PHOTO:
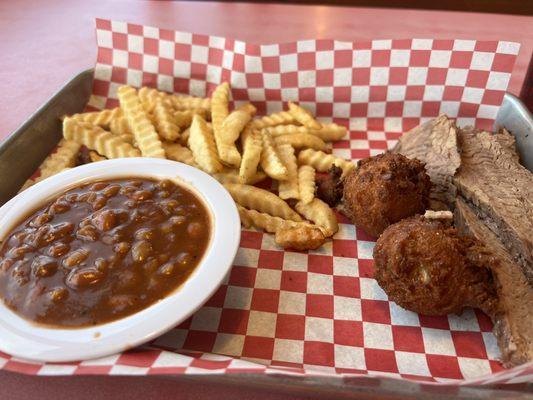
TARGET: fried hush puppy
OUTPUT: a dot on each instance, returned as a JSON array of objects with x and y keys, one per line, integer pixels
[
  {"x": 385, "y": 189},
  {"x": 425, "y": 266}
]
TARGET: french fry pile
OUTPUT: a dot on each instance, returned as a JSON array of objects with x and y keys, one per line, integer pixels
[{"x": 238, "y": 150}]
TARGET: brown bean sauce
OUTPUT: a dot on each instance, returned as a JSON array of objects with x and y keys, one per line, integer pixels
[{"x": 102, "y": 251}]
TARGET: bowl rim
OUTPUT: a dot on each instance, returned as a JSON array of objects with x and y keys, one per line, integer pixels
[{"x": 29, "y": 340}]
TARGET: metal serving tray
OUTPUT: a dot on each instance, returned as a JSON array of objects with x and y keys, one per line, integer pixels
[{"x": 25, "y": 149}]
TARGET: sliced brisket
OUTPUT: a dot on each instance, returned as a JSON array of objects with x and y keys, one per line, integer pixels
[
  {"x": 507, "y": 143},
  {"x": 513, "y": 326},
  {"x": 499, "y": 190}
]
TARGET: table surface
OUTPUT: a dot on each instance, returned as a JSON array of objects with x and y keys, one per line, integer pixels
[{"x": 44, "y": 43}]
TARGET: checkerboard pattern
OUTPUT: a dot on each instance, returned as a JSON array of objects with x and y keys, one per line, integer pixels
[{"x": 317, "y": 313}]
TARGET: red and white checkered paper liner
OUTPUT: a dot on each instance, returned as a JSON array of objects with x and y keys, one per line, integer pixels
[{"x": 319, "y": 312}]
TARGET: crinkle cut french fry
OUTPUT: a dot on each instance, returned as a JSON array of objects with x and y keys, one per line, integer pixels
[
  {"x": 119, "y": 126},
  {"x": 144, "y": 132},
  {"x": 164, "y": 121},
  {"x": 232, "y": 176},
  {"x": 64, "y": 157},
  {"x": 330, "y": 132},
  {"x": 101, "y": 118},
  {"x": 96, "y": 138},
  {"x": 301, "y": 140},
  {"x": 265, "y": 221},
  {"x": 219, "y": 107},
  {"x": 279, "y": 118},
  {"x": 252, "y": 146},
  {"x": 183, "y": 118},
  {"x": 177, "y": 152},
  {"x": 303, "y": 116},
  {"x": 227, "y": 150},
  {"x": 262, "y": 201},
  {"x": 248, "y": 108},
  {"x": 300, "y": 238},
  {"x": 228, "y": 153},
  {"x": 306, "y": 183},
  {"x": 128, "y": 138},
  {"x": 149, "y": 96},
  {"x": 279, "y": 130},
  {"x": 321, "y": 214},
  {"x": 246, "y": 220},
  {"x": 322, "y": 161},
  {"x": 288, "y": 189},
  {"x": 235, "y": 122},
  {"x": 203, "y": 146},
  {"x": 183, "y": 102},
  {"x": 270, "y": 161}
]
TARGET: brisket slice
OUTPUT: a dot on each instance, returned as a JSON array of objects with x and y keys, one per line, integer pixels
[
  {"x": 513, "y": 326},
  {"x": 500, "y": 190},
  {"x": 435, "y": 144},
  {"x": 507, "y": 143}
]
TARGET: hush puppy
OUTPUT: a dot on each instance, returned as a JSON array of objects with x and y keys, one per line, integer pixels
[
  {"x": 425, "y": 266},
  {"x": 385, "y": 189}
]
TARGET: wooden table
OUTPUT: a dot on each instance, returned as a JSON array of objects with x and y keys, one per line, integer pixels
[{"x": 45, "y": 43}]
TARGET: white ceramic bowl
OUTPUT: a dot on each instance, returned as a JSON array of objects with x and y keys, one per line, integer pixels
[{"x": 22, "y": 338}]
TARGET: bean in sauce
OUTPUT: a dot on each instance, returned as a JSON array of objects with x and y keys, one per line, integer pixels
[{"x": 102, "y": 251}]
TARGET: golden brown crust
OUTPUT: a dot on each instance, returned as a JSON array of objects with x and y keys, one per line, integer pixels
[
  {"x": 425, "y": 266},
  {"x": 385, "y": 189}
]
